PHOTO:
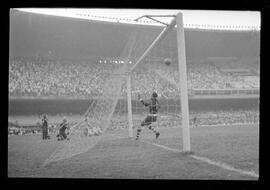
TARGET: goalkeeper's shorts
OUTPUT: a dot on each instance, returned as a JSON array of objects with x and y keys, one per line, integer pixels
[{"x": 149, "y": 119}]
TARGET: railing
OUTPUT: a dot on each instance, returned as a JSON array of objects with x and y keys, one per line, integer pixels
[{"x": 224, "y": 92}]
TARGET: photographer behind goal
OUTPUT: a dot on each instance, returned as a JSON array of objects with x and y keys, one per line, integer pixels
[{"x": 62, "y": 135}]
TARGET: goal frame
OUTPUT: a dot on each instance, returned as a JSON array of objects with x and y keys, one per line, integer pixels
[{"x": 178, "y": 22}]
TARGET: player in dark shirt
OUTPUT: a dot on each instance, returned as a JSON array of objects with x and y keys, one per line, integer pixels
[
  {"x": 152, "y": 116},
  {"x": 62, "y": 131},
  {"x": 45, "y": 128},
  {"x": 195, "y": 123}
]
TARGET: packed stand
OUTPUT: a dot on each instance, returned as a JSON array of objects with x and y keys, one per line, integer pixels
[
  {"x": 225, "y": 117},
  {"x": 197, "y": 119},
  {"x": 37, "y": 78},
  {"x": 56, "y": 78},
  {"x": 209, "y": 76}
]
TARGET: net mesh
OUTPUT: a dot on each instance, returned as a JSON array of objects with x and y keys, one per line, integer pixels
[
  {"x": 97, "y": 116},
  {"x": 153, "y": 75},
  {"x": 110, "y": 110}
]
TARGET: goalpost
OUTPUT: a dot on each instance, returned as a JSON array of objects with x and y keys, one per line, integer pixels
[
  {"x": 183, "y": 82},
  {"x": 178, "y": 22},
  {"x": 142, "y": 71}
]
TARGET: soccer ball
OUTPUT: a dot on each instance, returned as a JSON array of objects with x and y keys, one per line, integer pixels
[{"x": 167, "y": 61}]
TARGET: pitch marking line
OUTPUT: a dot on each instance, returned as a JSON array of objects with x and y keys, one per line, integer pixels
[
  {"x": 208, "y": 161},
  {"x": 225, "y": 166}
]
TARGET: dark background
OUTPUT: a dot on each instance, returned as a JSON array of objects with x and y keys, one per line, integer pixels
[{"x": 25, "y": 107}]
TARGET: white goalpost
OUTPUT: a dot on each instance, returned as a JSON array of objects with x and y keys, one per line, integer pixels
[{"x": 183, "y": 82}]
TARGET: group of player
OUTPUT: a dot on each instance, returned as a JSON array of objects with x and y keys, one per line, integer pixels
[{"x": 62, "y": 132}]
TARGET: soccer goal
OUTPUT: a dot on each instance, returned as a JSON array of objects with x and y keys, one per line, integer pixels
[
  {"x": 156, "y": 75},
  {"x": 153, "y": 60}
]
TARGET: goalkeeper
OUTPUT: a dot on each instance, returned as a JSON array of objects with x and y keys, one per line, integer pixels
[{"x": 152, "y": 116}]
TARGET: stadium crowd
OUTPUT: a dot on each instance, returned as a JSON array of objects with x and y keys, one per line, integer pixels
[
  {"x": 210, "y": 118},
  {"x": 21, "y": 131},
  {"x": 208, "y": 76},
  {"x": 224, "y": 117},
  {"x": 31, "y": 77},
  {"x": 26, "y": 130},
  {"x": 49, "y": 78}
]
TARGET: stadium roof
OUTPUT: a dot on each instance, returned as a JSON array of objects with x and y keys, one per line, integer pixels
[
  {"x": 34, "y": 34},
  {"x": 203, "y": 19}
]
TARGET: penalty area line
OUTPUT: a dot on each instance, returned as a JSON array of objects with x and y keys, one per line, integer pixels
[
  {"x": 208, "y": 161},
  {"x": 225, "y": 166}
]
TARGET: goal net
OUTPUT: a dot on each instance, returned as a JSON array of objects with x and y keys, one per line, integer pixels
[
  {"x": 153, "y": 75},
  {"x": 142, "y": 72}
]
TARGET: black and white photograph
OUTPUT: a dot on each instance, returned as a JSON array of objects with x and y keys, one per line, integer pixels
[{"x": 119, "y": 93}]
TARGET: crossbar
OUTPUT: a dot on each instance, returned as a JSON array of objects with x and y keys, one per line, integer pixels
[
  {"x": 154, "y": 16},
  {"x": 157, "y": 21}
]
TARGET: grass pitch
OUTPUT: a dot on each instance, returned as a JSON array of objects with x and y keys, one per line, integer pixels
[{"x": 118, "y": 157}]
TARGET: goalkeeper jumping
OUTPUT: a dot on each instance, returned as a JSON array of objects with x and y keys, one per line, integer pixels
[{"x": 152, "y": 116}]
